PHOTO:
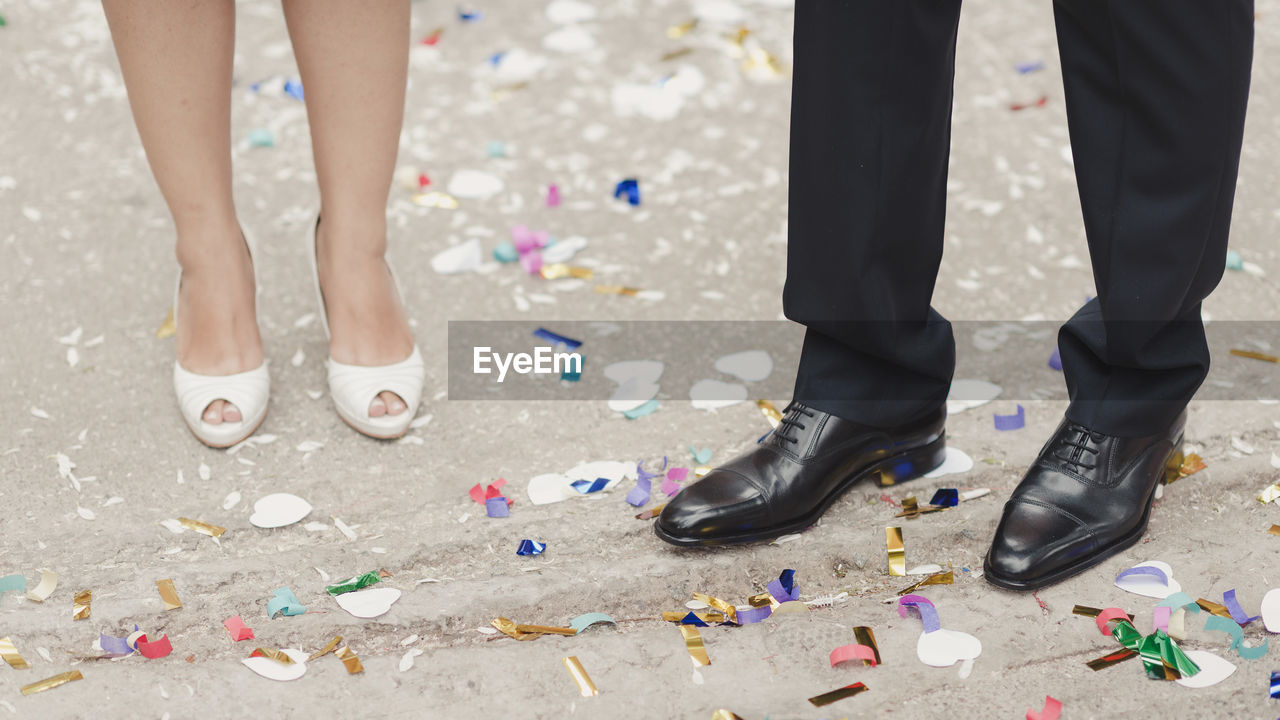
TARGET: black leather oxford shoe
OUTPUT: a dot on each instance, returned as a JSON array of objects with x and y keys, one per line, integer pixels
[
  {"x": 795, "y": 473},
  {"x": 1085, "y": 498}
]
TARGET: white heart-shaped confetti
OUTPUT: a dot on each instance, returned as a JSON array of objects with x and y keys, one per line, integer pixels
[
  {"x": 563, "y": 12},
  {"x": 748, "y": 366},
  {"x": 368, "y": 603},
  {"x": 571, "y": 39},
  {"x": 272, "y": 670},
  {"x": 944, "y": 648},
  {"x": 279, "y": 509},
  {"x": 550, "y": 488},
  {"x": 1213, "y": 670},
  {"x": 474, "y": 184},
  {"x": 1149, "y": 585},
  {"x": 463, "y": 257},
  {"x": 644, "y": 370},
  {"x": 956, "y": 462},
  {"x": 1271, "y": 610},
  {"x": 969, "y": 394},
  {"x": 714, "y": 394}
]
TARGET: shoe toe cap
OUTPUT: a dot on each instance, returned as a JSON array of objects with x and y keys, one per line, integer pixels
[
  {"x": 720, "y": 504},
  {"x": 1034, "y": 541}
]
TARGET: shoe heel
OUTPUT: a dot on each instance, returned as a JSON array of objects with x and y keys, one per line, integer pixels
[{"x": 913, "y": 464}]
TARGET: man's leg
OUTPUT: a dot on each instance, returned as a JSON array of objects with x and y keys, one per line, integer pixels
[
  {"x": 870, "y": 135},
  {"x": 870, "y": 129},
  {"x": 1156, "y": 93}
]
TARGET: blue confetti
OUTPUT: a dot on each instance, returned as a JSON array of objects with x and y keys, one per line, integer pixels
[
  {"x": 586, "y": 487},
  {"x": 628, "y": 189},
  {"x": 293, "y": 88},
  {"x": 701, "y": 457},
  {"x": 285, "y": 603},
  {"x": 1015, "y": 421},
  {"x": 641, "y": 411},
  {"x": 1055, "y": 360},
  {"x": 1029, "y": 67},
  {"x": 469, "y": 15},
  {"x": 557, "y": 339},
  {"x": 531, "y": 547},
  {"x": 945, "y": 497}
]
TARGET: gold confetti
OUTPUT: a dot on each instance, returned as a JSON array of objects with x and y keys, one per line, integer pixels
[
  {"x": 1269, "y": 494},
  {"x": 693, "y": 643},
  {"x": 666, "y": 57},
  {"x": 702, "y": 470},
  {"x": 333, "y": 644},
  {"x": 676, "y": 32},
  {"x": 847, "y": 691},
  {"x": 167, "y": 328},
  {"x": 502, "y": 92},
  {"x": 912, "y": 510},
  {"x": 202, "y": 527},
  {"x": 1092, "y": 612},
  {"x": 706, "y": 616},
  {"x": 728, "y": 609},
  {"x": 758, "y": 59},
  {"x": 11, "y": 655},
  {"x": 1107, "y": 661},
  {"x": 41, "y": 592},
  {"x": 897, "y": 552},
  {"x": 946, "y": 577},
  {"x": 722, "y": 714},
  {"x": 1214, "y": 608},
  {"x": 528, "y": 632},
  {"x": 435, "y": 199},
  {"x": 770, "y": 412},
  {"x": 349, "y": 659},
  {"x": 616, "y": 290},
  {"x": 83, "y": 601},
  {"x": 580, "y": 676},
  {"x": 651, "y": 513},
  {"x": 1255, "y": 355},
  {"x": 1191, "y": 464},
  {"x": 868, "y": 638},
  {"x": 52, "y": 682},
  {"x": 740, "y": 36},
  {"x": 1275, "y": 530},
  {"x": 555, "y": 271},
  {"x": 762, "y": 599},
  {"x": 272, "y": 654},
  {"x": 168, "y": 594}
]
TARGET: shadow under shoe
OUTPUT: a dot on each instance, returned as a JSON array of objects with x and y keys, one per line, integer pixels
[
  {"x": 795, "y": 473},
  {"x": 1086, "y": 497}
]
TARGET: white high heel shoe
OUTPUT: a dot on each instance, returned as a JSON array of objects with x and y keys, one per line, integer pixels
[
  {"x": 354, "y": 387},
  {"x": 248, "y": 390}
]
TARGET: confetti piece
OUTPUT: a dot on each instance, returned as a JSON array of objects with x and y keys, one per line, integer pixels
[
  {"x": 520, "y": 631},
  {"x": 867, "y": 638},
  {"x": 628, "y": 190},
  {"x": 82, "y": 605},
  {"x": 474, "y": 185},
  {"x": 1114, "y": 658},
  {"x": 723, "y": 714},
  {"x": 278, "y": 510},
  {"x": 15, "y": 583},
  {"x": 1015, "y": 421},
  {"x": 359, "y": 582},
  {"x": 1024, "y": 69},
  {"x": 945, "y": 577},
  {"x": 639, "y": 412},
  {"x": 497, "y": 507},
  {"x": 1151, "y": 579},
  {"x": 154, "y": 650},
  {"x": 592, "y": 486},
  {"x": 784, "y": 589},
  {"x": 202, "y": 527},
  {"x": 1215, "y": 623},
  {"x": 461, "y": 258},
  {"x": 293, "y": 88},
  {"x": 730, "y": 611},
  {"x": 239, "y": 631},
  {"x": 1039, "y": 103},
  {"x": 1255, "y": 355},
  {"x": 847, "y": 691},
  {"x": 693, "y": 643},
  {"x": 1275, "y": 685},
  {"x": 368, "y": 603},
  {"x": 261, "y": 138},
  {"x": 1213, "y": 670},
  {"x": 641, "y": 493},
  {"x": 52, "y": 682},
  {"x": 470, "y": 15},
  {"x": 168, "y": 594},
  {"x": 438, "y": 200},
  {"x": 273, "y": 655},
  {"x": 845, "y": 653},
  {"x": 698, "y": 618},
  {"x": 1051, "y": 710},
  {"x": 676, "y": 32},
  {"x": 896, "y": 551},
  {"x": 42, "y": 591},
  {"x": 530, "y": 547},
  {"x": 1233, "y": 606},
  {"x": 349, "y": 659},
  {"x": 922, "y": 605},
  {"x": 11, "y": 655},
  {"x": 284, "y": 602},
  {"x": 553, "y": 196},
  {"x": 406, "y": 661},
  {"x": 585, "y": 686},
  {"x": 945, "y": 497},
  {"x": 167, "y": 328},
  {"x": 330, "y": 647},
  {"x": 651, "y": 513},
  {"x": 586, "y": 620},
  {"x": 274, "y": 670},
  {"x": 748, "y": 366}
]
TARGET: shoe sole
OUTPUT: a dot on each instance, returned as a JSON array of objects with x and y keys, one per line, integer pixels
[
  {"x": 1171, "y": 467},
  {"x": 898, "y": 468},
  {"x": 221, "y": 446}
]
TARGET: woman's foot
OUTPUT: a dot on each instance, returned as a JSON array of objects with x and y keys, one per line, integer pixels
[
  {"x": 218, "y": 327},
  {"x": 367, "y": 322}
]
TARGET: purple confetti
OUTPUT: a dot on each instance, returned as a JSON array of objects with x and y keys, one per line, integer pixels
[
  {"x": 117, "y": 646},
  {"x": 928, "y": 614},
  {"x": 1233, "y": 606},
  {"x": 1029, "y": 67},
  {"x": 1055, "y": 360},
  {"x": 669, "y": 487},
  {"x": 640, "y": 494},
  {"x": 1154, "y": 572},
  {"x": 755, "y": 614},
  {"x": 784, "y": 588},
  {"x": 497, "y": 507},
  {"x": 1015, "y": 421}
]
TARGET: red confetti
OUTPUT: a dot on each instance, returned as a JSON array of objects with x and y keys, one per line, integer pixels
[
  {"x": 423, "y": 180},
  {"x": 153, "y": 650},
  {"x": 1052, "y": 709},
  {"x": 1044, "y": 100}
]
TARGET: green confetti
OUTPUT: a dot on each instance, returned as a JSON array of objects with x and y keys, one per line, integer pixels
[{"x": 358, "y": 582}]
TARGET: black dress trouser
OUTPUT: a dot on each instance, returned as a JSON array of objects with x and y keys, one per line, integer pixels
[{"x": 1156, "y": 93}]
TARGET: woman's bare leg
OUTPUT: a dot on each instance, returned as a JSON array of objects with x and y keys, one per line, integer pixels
[
  {"x": 176, "y": 58},
  {"x": 354, "y": 62}
]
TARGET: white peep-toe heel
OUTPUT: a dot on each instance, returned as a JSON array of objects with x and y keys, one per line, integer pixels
[
  {"x": 354, "y": 387},
  {"x": 248, "y": 391}
]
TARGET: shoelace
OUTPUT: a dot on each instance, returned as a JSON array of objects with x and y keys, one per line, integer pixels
[
  {"x": 789, "y": 420},
  {"x": 1084, "y": 441}
]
